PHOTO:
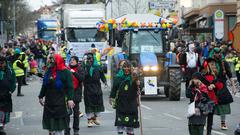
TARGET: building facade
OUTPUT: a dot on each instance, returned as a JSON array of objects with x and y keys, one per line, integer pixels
[{"x": 199, "y": 18}]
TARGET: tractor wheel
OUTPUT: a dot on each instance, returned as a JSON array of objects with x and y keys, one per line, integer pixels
[
  {"x": 113, "y": 68},
  {"x": 174, "y": 84},
  {"x": 166, "y": 91}
]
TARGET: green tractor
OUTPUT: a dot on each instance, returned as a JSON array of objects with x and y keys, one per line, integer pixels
[{"x": 147, "y": 49}]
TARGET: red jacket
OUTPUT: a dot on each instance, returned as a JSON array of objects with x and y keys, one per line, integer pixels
[
  {"x": 211, "y": 93},
  {"x": 75, "y": 80}
]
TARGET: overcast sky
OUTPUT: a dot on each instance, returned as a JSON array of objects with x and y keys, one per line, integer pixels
[{"x": 36, "y": 4}]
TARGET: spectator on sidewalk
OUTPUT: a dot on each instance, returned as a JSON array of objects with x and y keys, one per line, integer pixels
[
  {"x": 18, "y": 68},
  {"x": 7, "y": 87}
]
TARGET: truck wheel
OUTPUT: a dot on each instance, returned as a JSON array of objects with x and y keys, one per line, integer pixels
[{"x": 174, "y": 84}]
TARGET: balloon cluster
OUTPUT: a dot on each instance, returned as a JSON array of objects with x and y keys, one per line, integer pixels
[
  {"x": 110, "y": 24},
  {"x": 105, "y": 26}
]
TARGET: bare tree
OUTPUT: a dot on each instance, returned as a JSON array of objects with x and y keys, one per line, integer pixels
[
  {"x": 59, "y": 2},
  {"x": 129, "y": 7},
  {"x": 24, "y": 17}
]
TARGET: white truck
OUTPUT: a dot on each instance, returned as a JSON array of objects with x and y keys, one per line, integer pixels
[{"x": 79, "y": 23}]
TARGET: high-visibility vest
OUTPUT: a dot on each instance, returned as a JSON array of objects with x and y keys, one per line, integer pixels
[
  {"x": 18, "y": 71},
  {"x": 230, "y": 59},
  {"x": 237, "y": 66},
  {"x": 63, "y": 53},
  {"x": 98, "y": 57},
  {"x": 25, "y": 61}
]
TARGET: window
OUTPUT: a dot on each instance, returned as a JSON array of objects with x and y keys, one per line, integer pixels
[
  {"x": 147, "y": 41},
  {"x": 85, "y": 35},
  {"x": 231, "y": 22}
]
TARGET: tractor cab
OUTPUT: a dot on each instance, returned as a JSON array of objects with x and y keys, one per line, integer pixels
[{"x": 143, "y": 39}]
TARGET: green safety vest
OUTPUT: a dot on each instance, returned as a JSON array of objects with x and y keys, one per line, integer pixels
[{"x": 18, "y": 71}]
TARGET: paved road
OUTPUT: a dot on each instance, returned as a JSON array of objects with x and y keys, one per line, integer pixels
[{"x": 160, "y": 116}]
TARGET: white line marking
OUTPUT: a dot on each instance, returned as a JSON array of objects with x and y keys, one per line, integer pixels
[
  {"x": 217, "y": 132},
  {"x": 17, "y": 115},
  {"x": 172, "y": 116},
  {"x": 237, "y": 95},
  {"x": 107, "y": 111},
  {"x": 146, "y": 107}
]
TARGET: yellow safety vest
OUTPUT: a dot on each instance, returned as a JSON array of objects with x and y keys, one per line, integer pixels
[
  {"x": 63, "y": 53},
  {"x": 98, "y": 57},
  {"x": 230, "y": 59},
  {"x": 18, "y": 71},
  {"x": 25, "y": 61},
  {"x": 237, "y": 66}
]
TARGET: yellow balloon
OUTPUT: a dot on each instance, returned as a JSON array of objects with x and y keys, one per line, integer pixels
[
  {"x": 169, "y": 25},
  {"x": 129, "y": 24},
  {"x": 164, "y": 26},
  {"x": 110, "y": 21},
  {"x": 106, "y": 26},
  {"x": 114, "y": 26}
]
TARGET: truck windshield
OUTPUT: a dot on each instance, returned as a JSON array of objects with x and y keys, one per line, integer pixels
[
  {"x": 48, "y": 34},
  {"x": 147, "y": 41},
  {"x": 85, "y": 35}
]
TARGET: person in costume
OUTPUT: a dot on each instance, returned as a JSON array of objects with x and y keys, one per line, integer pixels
[
  {"x": 210, "y": 81},
  {"x": 125, "y": 92},
  {"x": 222, "y": 71},
  {"x": 93, "y": 95},
  {"x": 7, "y": 87},
  {"x": 198, "y": 93},
  {"x": 77, "y": 77},
  {"x": 56, "y": 96},
  {"x": 192, "y": 63}
]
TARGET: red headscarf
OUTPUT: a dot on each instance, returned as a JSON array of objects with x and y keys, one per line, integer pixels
[{"x": 60, "y": 64}]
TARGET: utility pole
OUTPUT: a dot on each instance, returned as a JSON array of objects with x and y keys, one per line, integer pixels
[
  {"x": 1, "y": 14},
  {"x": 135, "y": 7},
  {"x": 14, "y": 19}
]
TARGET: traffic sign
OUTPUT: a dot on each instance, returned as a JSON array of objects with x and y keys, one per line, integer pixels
[
  {"x": 219, "y": 24},
  {"x": 162, "y": 4}
]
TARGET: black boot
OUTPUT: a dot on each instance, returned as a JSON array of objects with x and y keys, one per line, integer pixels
[
  {"x": 76, "y": 132},
  {"x": 2, "y": 132},
  {"x": 67, "y": 131},
  {"x": 20, "y": 95}
]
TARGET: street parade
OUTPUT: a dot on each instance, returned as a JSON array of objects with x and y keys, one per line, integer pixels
[{"x": 111, "y": 67}]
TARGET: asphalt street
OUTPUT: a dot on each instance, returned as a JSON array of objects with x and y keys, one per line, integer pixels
[{"x": 160, "y": 116}]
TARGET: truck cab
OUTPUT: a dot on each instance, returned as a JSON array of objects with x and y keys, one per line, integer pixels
[
  {"x": 80, "y": 32},
  {"x": 46, "y": 29}
]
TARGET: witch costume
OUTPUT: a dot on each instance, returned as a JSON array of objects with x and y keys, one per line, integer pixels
[
  {"x": 124, "y": 91},
  {"x": 57, "y": 89},
  {"x": 93, "y": 95},
  {"x": 7, "y": 87}
]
